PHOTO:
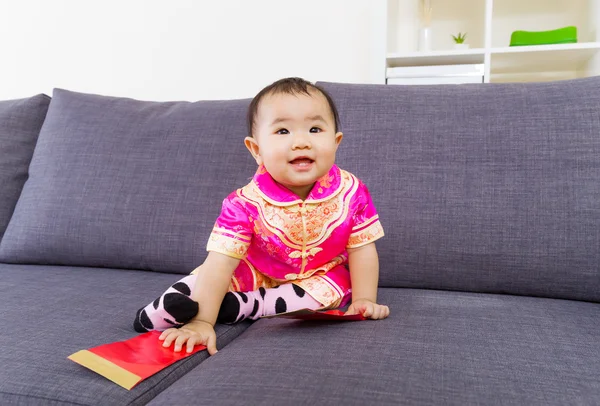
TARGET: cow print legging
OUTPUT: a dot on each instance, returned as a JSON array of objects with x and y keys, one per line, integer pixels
[{"x": 174, "y": 307}]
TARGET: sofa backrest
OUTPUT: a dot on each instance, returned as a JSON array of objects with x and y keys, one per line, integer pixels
[
  {"x": 485, "y": 188},
  {"x": 122, "y": 183},
  {"x": 20, "y": 123}
]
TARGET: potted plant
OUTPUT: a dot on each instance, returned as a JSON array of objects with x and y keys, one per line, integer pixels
[{"x": 459, "y": 41}]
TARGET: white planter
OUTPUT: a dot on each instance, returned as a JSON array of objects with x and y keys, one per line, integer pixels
[{"x": 461, "y": 46}]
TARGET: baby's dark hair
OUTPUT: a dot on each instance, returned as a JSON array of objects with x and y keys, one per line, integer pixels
[{"x": 289, "y": 86}]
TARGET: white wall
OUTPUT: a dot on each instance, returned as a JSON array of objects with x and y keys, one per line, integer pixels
[{"x": 185, "y": 49}]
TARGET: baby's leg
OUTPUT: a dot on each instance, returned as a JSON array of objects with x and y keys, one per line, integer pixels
[
  {"x": 172, "y": 309},
  {"x": 238, "y": 306}
]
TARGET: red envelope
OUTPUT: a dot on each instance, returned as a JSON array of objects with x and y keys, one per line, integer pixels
[
  {"x": 129, "y": 362},
  {"x": 307, "y": 314}
]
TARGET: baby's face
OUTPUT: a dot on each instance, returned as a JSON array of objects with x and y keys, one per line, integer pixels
[{"x": 295, "y": 139}]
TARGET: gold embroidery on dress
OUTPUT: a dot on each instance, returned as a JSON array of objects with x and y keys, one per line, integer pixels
[
  {"x": 249, "y": 195},
  {"x": 310, "y": 253},
  {"x": 286, "y": 222},
  {"x": 234, "y": 285},
  {"x": 366, "y": 222},
  {"x": 227, "y": 245},
  {"x": 322, "y": 290},
  {"x": 228, "y": 233},
  {"x": 323, "y": 269},
  {"x": 365, "y": 236},
  {"x": 260, "y": 280},
  {"x": 324, "y": 181}
]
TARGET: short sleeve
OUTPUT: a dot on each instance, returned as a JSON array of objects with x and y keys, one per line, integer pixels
[
  {"x": 232, "y": 232},
  {"x": 366, "y": 227}
]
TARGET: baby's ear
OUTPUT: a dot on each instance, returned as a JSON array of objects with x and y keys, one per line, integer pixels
[
  {"x": 338, "y": 138},
  {"x": 252, "y": 146}
]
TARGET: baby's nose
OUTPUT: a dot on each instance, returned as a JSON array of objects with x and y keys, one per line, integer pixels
[{"x": 301, "y": 141}]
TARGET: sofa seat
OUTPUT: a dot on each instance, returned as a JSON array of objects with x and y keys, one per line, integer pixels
[
  {"x": 50, "y": 312},
  {"x": 436, "y": 348}
]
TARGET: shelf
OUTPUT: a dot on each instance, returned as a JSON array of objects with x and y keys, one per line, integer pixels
[
  {"x": 447, "y": 57},
  {"x": 559, "y": 57},
  {"x": 490, "y": 24},
  {"x": 547, "y": 48},
  {"x": 550, "y": 58}
]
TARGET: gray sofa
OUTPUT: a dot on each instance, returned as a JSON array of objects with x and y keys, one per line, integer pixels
[{"x": 489, "y": 196}]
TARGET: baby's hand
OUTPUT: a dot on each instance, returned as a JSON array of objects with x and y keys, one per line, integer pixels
[
  {"x": 194, "y": 333},
  {"x": 368, "y": 309}
]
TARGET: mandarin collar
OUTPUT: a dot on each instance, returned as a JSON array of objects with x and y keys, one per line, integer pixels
[{"x": 325, "y": 188}]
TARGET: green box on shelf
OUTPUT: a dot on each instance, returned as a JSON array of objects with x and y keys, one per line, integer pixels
[{"x": 566, "y": 35}]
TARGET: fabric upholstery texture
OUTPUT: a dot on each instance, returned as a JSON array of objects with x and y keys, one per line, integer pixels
[
  {"x": 20, "y": 123},
  {"x": 123, "y": 183},
  {"x": 491, "y": 188},
  {"x": 50, "y": 312},
  {"x": 436, "y": 348}
]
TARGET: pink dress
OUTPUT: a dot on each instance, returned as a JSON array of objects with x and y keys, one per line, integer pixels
[{"x": 281, "y": 239}]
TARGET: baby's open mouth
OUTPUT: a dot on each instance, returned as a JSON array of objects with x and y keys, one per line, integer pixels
[{"x": 302, "y": 161}]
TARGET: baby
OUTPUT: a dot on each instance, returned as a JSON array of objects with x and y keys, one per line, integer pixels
[{"x": 299, "y": 235}]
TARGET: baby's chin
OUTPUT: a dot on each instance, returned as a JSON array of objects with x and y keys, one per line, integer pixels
[{"x": 295, "y": 179}]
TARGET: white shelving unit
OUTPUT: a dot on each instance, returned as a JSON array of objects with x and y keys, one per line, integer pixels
[{"x": 489, "y": 24}]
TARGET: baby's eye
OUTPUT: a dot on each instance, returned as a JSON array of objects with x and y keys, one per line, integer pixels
[
  {"x": 282, "y": 131},
  {"x": 315, "y": 130}
]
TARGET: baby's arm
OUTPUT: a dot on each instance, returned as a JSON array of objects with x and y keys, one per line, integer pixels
[
  {"x": 212, "y": 282},
  {"x": 364, "y": 276}
]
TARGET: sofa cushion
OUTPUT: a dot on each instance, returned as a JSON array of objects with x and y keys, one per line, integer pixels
[
  {"x": 50, "y": 312},
  {"x": 488, "y": 188},
  {"x": 20, "y": 123},
  {"x": 436, "y": 348},
  {"x": 122, "y": 183}
]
